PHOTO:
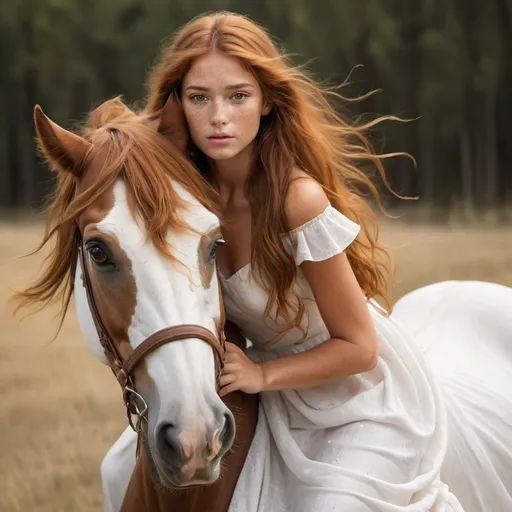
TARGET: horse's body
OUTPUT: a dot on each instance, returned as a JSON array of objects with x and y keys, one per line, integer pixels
[{"x": 464, "y": 328}]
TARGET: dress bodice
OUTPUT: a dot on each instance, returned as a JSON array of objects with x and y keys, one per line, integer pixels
[{"x": 245, "y": 299}]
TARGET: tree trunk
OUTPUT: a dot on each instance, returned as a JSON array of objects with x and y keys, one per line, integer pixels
[
  {"x": 5, "y": 168},
  {"x": 412, "y": 29},
  {"x": 466, "y": 166},
  {"x": 504, "y": 158},
  {"x": 24, "y": 179},
  {"x": 491, "y": 157},
  {"x": 471, "y": 144},
  {"x": 427, "y": 167},
  {"x": 26, "y": 95}
]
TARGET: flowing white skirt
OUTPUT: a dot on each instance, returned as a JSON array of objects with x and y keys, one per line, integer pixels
[{"x": 428, "y": 430}]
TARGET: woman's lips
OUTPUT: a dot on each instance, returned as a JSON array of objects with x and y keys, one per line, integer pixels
[{"x": 220, "y": 139}]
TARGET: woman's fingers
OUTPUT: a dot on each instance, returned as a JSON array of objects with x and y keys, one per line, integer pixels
[
  {"x": 227, "y": 379},
  {"x": 228, "y": 389}
]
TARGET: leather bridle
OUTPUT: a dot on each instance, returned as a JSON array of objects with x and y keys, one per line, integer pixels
[{"x": 123, "y": 367}]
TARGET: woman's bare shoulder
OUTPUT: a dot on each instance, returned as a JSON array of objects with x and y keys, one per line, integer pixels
[{"x": 305, "y": 199}]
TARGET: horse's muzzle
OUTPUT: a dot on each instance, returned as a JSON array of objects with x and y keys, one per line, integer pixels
[{"x": 190, "y": 456}]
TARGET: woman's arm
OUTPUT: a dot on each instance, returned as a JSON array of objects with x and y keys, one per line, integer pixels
[{"x": 353, "y": 345}]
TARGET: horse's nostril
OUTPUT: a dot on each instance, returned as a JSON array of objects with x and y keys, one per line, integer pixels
[
  {"x": 228, "y": 430},
  {"x": 169, "y": 444},
  {"x": 221, "y": 438}
]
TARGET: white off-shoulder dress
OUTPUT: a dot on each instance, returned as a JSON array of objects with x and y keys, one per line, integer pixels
[{"x": 372, "y": 442}]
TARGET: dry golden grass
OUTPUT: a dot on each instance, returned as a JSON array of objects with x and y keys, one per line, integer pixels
[{"x": 61, "y": 410}]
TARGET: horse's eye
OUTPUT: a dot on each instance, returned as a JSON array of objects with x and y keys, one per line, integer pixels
[
  {"x": 99, "y": 255},
  {"x": 213, "y": 250}
]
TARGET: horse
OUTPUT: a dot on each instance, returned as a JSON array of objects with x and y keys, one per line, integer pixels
[
  {"x": 136, "y": 196},
  {"x": 136, "y": 233}
]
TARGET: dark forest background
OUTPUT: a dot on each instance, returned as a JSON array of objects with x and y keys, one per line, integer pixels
[{"x": 445, "y": 63}]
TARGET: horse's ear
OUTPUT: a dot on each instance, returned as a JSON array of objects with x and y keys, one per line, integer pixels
[
  {"x": 172, "y": 124},
  {"x": 63, "y": 149}
]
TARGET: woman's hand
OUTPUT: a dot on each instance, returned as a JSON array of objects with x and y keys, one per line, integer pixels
[{"x": 240, "y": 373}]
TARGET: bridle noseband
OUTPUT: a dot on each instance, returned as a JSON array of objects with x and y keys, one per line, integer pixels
[{"x": 123, "y": 367}]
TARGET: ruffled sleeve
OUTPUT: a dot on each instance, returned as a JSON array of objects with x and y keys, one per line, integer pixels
[{"x": 322, "y": 237}]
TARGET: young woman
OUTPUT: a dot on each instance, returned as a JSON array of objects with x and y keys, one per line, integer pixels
[{"x": 351, "y": 419}]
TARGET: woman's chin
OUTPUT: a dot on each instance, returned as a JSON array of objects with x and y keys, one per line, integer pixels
[{"x": 221, "y": 153}]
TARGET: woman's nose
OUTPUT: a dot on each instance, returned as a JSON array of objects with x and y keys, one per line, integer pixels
[{"x": 218, "y": 117}]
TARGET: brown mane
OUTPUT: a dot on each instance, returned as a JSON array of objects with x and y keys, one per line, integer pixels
[{"x": 133, "y": 150}]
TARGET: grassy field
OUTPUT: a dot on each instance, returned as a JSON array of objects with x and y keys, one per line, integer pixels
[{"x": 61, "y": 410}]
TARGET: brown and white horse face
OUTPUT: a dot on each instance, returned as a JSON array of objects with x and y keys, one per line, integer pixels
[{"x": 139, "y": 292}]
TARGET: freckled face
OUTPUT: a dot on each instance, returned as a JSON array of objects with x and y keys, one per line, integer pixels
[{"x": 223, "y": 105}]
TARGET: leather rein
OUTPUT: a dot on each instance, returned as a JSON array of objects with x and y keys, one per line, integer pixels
[{"x": 123, "y": 367}]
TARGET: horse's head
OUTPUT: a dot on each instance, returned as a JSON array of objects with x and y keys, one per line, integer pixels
[{"x": 136, "y": 238}]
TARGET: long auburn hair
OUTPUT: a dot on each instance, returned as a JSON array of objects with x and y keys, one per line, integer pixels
[
  {"x": 303, "y": 130},
  {"x": 128, "y": 146}
]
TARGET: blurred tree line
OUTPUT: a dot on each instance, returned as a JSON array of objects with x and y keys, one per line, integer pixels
[{"x": 445, "y": 63}]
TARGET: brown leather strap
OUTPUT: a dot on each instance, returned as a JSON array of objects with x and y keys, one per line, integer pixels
[
  {"x": 111, "y": 352},
  {"x": 167, "y": 335},
  {"x": 124, "y": 367}
]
